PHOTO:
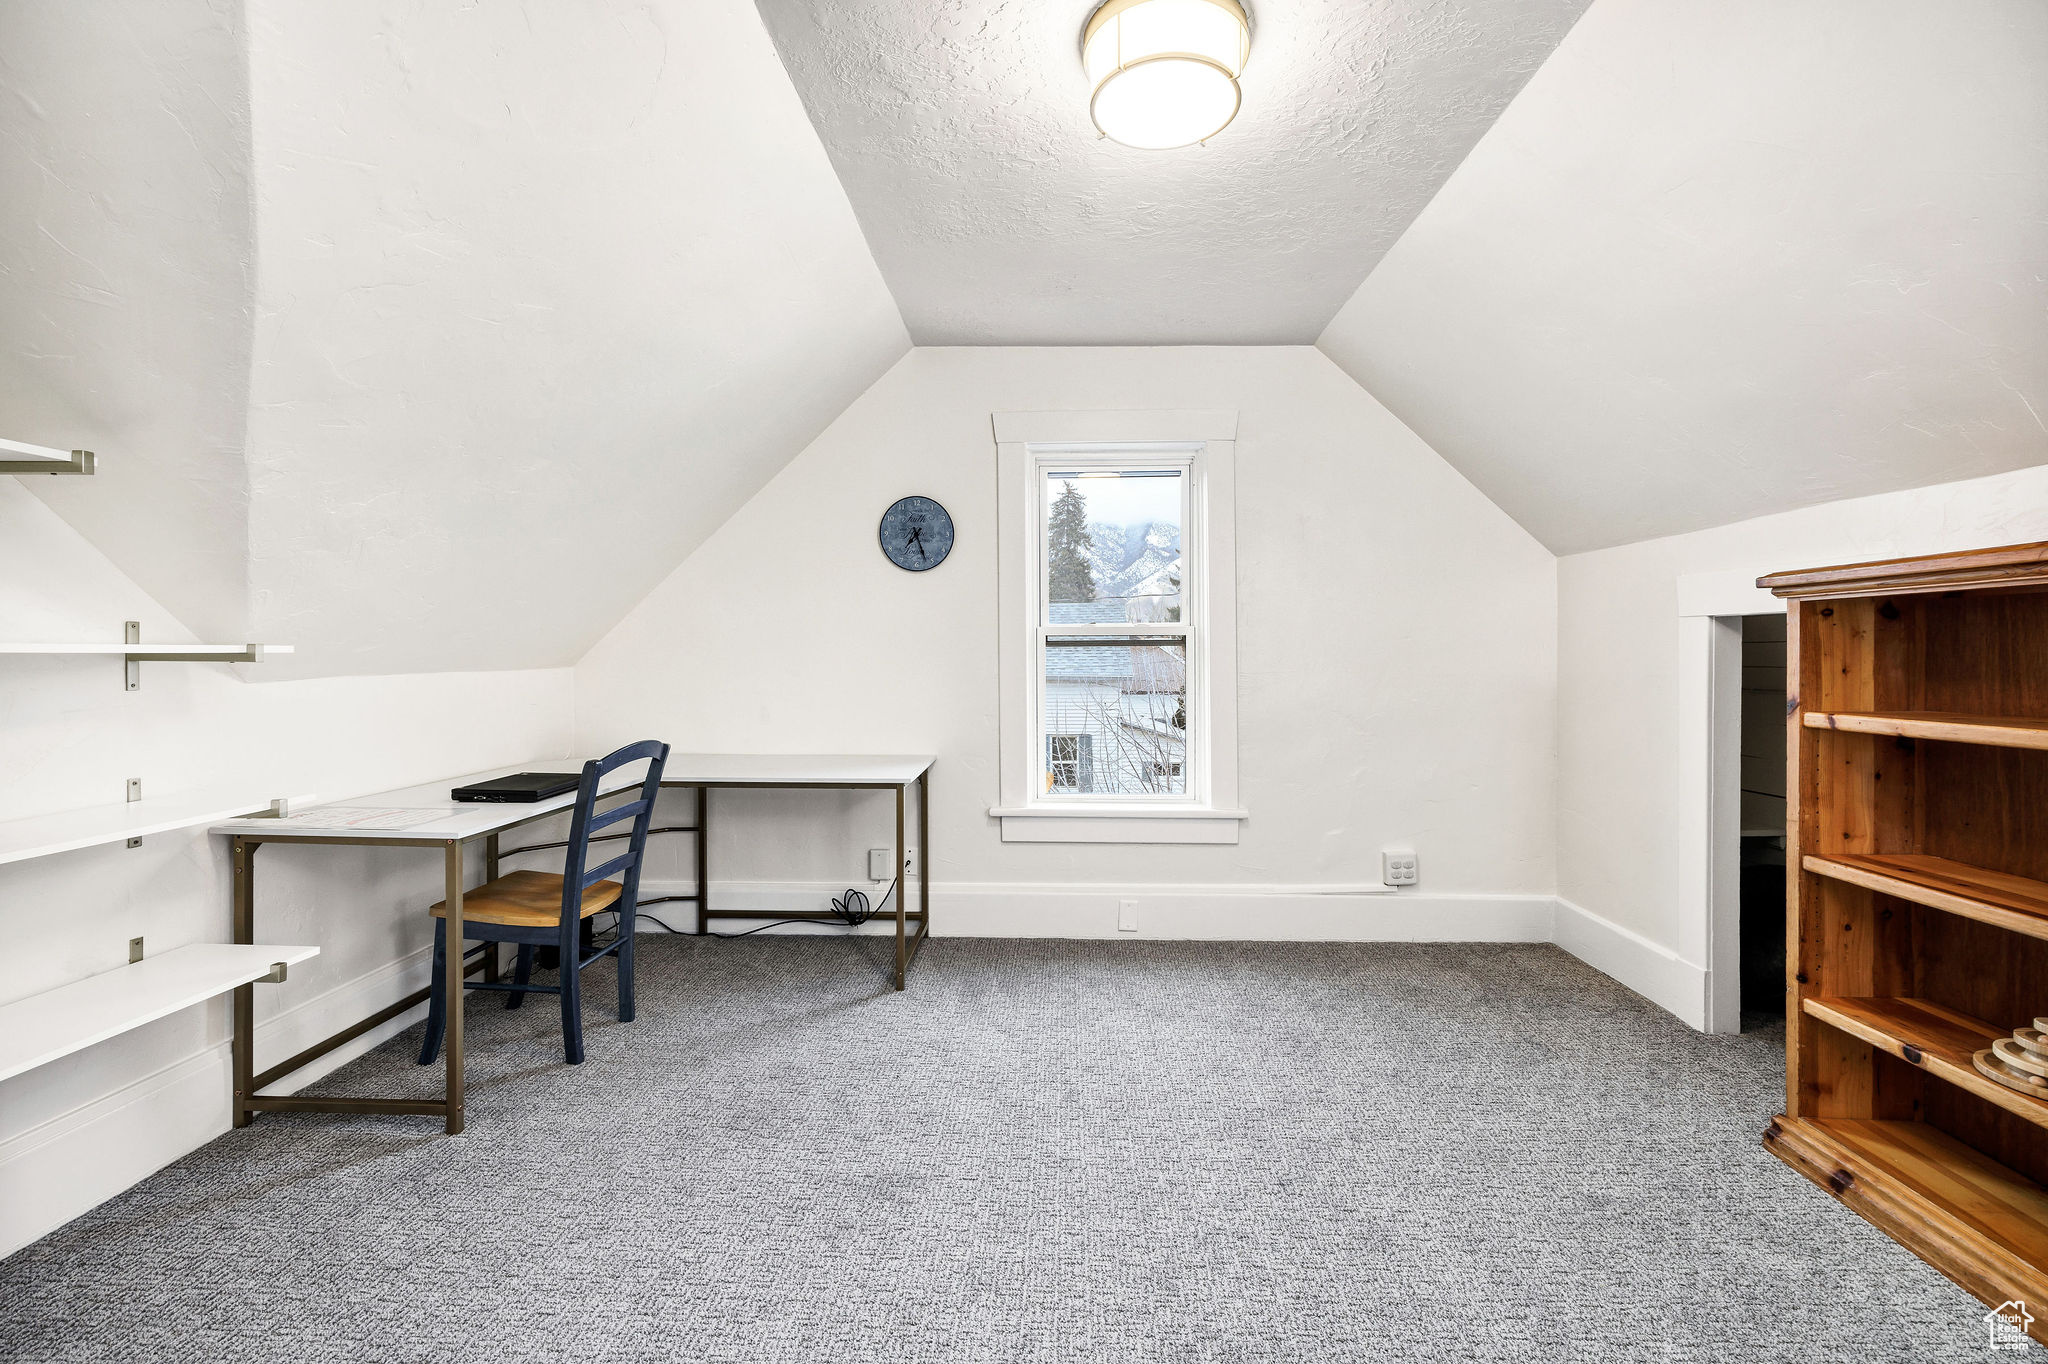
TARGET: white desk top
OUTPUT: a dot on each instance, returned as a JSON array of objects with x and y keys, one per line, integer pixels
[
  {"x": 456, "y": 820},
  {"x": 795, "y": 769},
  {"x": 452, "y": 819}
]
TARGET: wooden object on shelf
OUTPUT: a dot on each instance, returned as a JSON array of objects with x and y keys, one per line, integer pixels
[
  {"x": 1989, "y": 1063},
  {"x": 2019, "y": 1058},
  {"x": 1917, "y": 923}
]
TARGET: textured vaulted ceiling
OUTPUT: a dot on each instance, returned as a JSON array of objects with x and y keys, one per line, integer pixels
[
  {"x": 533, "y": 298},
  {"x": 1719, "y": 260},
  {"x": 960, "y": 129},
  {"x": 429, "y": 335}
]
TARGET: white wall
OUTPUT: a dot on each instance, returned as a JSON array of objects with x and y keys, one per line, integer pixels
[
  {"x": 1397, "y": 654},
  {"x": 80, "y": 1129},
  {"x": 1619, "y": 680}
]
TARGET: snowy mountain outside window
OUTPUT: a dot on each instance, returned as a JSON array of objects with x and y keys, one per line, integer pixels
[{"x": 1115, "y": 632}]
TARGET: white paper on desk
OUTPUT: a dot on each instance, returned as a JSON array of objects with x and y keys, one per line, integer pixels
[{"x": 378, "y": 817}]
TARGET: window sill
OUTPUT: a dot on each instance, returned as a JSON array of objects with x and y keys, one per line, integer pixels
[{"x": 1118, "y": 824}]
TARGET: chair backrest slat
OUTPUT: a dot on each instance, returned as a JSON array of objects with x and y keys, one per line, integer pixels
[
  {"x": 617, "y": 864},
  {"x": 602, "y": 818},
  {"x": 586, "y": 820}
]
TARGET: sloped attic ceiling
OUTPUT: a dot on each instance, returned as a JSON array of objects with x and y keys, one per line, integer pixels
[
  {"x": 1000, "y": 217},
  {"x": 541, "y": 294},
  {"x": 126, "y": 273},
  {"x": 1722, "y": 260}
]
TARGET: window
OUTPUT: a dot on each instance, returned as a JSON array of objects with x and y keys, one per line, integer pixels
[
  {"x": 1118, "y": 647},
  {"x": 1113, "y": 632}
]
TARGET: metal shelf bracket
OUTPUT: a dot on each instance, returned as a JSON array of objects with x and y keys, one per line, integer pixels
[
  {"x": 43, "y": 460},
  {"x": 170, "y": 653}
]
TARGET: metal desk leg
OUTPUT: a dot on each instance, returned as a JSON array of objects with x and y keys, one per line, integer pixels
[
  {"x": 452, "y": 982},
  {"x": 924, "y": 853},
  {"x": 703, "y": 860},
  {"x": 902, "y": 960},
  {"x": 243, "y": 1023}
]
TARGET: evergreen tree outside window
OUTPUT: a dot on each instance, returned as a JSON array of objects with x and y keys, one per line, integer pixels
[{"x": 1069, "y": 575}]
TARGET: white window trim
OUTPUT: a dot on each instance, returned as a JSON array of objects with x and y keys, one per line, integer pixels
[{"x": 1208, "y": 440}]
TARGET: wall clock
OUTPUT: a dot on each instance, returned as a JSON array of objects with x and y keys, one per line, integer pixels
[{"x": 917, "y": 534}]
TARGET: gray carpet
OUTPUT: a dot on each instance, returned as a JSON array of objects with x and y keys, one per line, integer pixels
[{"x": 1043, "y": 1151}]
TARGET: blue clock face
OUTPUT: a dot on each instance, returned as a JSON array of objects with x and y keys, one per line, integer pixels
[{"x": 917, "y": 534}]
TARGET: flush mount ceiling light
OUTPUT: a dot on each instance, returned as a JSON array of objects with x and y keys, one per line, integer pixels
[{"x": 1165, "y": 72}]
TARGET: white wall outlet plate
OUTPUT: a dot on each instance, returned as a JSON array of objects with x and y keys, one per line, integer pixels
[
  {"x": 1127, "y": 916},
  {"x": 878, "y": 864},
  {"x": 1400, "y": 866}
]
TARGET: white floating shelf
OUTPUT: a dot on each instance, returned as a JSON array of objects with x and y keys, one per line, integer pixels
[
  {"x": 37, "y": 1030},
  {"x": 136, "y": 653},
  {"x": 159, "y": 653},
  {"x": 19, "y": 457},
  {"x": 43, "y": 835}
]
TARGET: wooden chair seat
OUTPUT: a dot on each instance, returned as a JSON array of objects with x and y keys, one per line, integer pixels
[{"x": 529, "y": 899}]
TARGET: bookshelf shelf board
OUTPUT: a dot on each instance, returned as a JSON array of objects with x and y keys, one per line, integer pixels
[
  {"x": 1946, "y": 726},
  {"x": 1939, "y": 1040},
  {"x": 2010, "y": 902}
]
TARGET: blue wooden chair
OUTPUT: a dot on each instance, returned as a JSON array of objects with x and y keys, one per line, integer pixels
[{"x": 535, "y": 909}]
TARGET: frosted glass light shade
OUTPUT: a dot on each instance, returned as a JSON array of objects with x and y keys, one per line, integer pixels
[{"x": 1164, "y": 72}]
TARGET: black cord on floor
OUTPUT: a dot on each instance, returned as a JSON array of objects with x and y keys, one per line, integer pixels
[{"x": 849, "y": 910}]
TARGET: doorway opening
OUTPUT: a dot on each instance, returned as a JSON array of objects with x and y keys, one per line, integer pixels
[{"x": 1761, "y": 878}]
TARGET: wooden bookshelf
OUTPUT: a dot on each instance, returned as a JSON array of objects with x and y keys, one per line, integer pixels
[{"x": 1917, "y": 915}]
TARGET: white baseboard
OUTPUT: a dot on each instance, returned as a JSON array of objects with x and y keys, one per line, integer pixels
[
  {"x": 62, "y": 1168},
  {"x": 1255, "y": 913},
  {"x": 69, "y": 1165},
  {"x": 1655, "y": 972},
  {"x": 1212, "y": 912}
]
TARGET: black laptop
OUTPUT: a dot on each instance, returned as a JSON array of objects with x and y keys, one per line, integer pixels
[{"x": 521, "y": 788}]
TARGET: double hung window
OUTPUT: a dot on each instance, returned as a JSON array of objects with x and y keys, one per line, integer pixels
[{"x": 1119, "y": 634}]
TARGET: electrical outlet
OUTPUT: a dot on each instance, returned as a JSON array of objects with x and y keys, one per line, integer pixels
[
  {"x": 1127, "y": 916},
  {"x": 878, "y": 864},
  {"x": 909, "y": 860},
  {"x": 134, "y": 950},
  {"x": 1400, "y": 866}
]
